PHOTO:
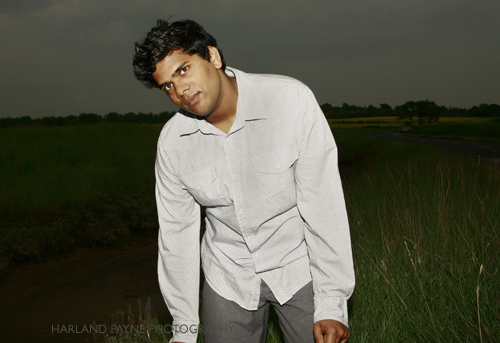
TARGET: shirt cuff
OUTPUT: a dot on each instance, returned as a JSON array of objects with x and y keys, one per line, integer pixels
[
  {"x": 331, "y": 308},
  {"x": 186, "y": 332}
]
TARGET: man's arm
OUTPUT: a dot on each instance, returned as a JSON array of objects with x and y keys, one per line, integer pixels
[
  {"x": 179, "y": 250},
  {"x": 320, "y": 201}
]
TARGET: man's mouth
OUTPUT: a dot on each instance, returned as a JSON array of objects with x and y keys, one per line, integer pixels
[{"x": 193, "y": 99}]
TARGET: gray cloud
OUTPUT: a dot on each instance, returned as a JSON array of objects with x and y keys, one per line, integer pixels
[
  {"x": 68, "y": 57},
  {"x": 23, "y": 7}
]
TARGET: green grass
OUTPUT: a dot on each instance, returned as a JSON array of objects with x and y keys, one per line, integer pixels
[
  {"x": 50, "y": 167},
  {"x": 425, "y": 242},
  {"x": 132, "y": 321},
  {"x": 424, "y": 225},
  {"x": 482, "y": 132},
  {"x": 387, "y": 122},
  {"x": 468, "y": 128},
  {"x": 74, "y": 186}
]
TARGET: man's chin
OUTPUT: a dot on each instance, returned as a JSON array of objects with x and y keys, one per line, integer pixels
[
  {"x": 203, "y": 115},
  {"x": 198, "y": 115}
]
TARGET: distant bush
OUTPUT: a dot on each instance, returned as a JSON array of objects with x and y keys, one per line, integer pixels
[
  {"x": 88, "y": 118},
  {"x": 384, "y": 110},
  {"x": 331, "y": 112},
  {"x": 485, "y": 110}
]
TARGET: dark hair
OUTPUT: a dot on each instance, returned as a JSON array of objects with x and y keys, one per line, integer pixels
[{"x": 185, "y": 35}]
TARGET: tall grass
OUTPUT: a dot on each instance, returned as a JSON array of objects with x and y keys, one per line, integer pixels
[
  {"x": 74, "y": 186},
  {"x": 44, "y": 168},
  {"x": 153, "y": 330},
  {"x": 425, "y": 243},
  {"x": 424, "y": 225}
]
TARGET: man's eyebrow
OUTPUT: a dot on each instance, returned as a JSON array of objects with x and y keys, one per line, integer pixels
[{"x": 179, "y": 68}]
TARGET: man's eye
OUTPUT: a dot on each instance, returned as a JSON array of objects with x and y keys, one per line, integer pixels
[
  {"x": 167, "y": 87},
  {"x": 184, "y": 70}
]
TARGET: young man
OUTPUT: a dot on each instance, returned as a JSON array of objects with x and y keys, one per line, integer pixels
[{"x": 257, "y": 152}]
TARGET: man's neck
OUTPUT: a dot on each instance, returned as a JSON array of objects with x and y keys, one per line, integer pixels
[{"x": 223, "y": 118}]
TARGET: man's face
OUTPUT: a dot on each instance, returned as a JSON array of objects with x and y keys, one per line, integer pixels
[{"x": 190, "y": 81}]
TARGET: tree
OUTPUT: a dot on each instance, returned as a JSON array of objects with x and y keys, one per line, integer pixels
[
  {"x": 422, "y": 109},
  {"x": 485, "y": 110},
  {"x": 407, "y": 111},
  {"x": 326, "y": 107},
  {"x": 329, "y": 111},
  {"x": 385, "y": 107},
  {"x": 112, "y": 117},
  {"x": 89, "y": 118}
]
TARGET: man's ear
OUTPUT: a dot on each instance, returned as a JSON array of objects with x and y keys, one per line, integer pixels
[{"x": 215, "y": 57}]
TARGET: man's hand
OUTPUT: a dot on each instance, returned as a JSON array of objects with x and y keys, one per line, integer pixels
[{"x": 330, "y": 331}]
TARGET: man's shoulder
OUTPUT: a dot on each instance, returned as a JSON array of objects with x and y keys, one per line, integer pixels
[
  {"x": 173, "y": 129},
  {"x": 276, "y": 83},
  {"x": 279, "y": 96}
]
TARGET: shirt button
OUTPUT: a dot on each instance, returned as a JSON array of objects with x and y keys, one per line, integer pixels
[
  {"x": 240, "y": 210},
  {"x": 227, "y": 139},
  {"x": 199, "y": 187},
  {"x": 234, "y": 175}
]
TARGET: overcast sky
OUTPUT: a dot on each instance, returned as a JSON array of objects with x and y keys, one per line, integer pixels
[{"x": 63, "y": 57}]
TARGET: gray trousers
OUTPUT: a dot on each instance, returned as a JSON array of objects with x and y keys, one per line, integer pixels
[{"x": 224, "y": 321}]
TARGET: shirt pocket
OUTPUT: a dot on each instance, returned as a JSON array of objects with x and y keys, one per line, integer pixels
[
  {"x": 276, "y": 175},
  {"x": 205, "y": 187}
]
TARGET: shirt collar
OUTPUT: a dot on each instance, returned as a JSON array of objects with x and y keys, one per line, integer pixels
[{"x": 248, "y": 107}]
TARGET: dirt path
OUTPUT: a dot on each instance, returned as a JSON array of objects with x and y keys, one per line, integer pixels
[{"x": 79, "y": 288}]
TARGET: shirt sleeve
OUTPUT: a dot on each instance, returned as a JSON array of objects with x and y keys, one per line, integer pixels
[
  {"x": 179, "y": 250},
  {"x": 320, "y": 200}
]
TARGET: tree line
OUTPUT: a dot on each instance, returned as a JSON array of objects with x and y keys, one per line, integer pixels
[
  {"x": 88, "y": 118},
  {"x": 423, "y": 111}
]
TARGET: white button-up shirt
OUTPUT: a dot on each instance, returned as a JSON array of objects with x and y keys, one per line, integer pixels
[{"x": 274, "y": 203}]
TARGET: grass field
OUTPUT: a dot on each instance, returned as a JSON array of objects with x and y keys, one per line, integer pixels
[
  {"x": 394, "y": 121},
  {"x": 425, "y": 237},
  {"x": 424, "y": 225},
  {"x": 481, "y": 132},
  {"x": 367, "y": 121},
  {"x": 468, "y": 128},
  {"x": 74, "y": 186}
]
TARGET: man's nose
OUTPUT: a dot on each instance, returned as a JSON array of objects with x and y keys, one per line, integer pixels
[{"x": 181, "y": 90}]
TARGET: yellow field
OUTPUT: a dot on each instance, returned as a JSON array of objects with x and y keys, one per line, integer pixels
[
  {"x": 393, "y": 121},
  {"x": 466, "y": 120},
  {"x": 365, "y": 121}
]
